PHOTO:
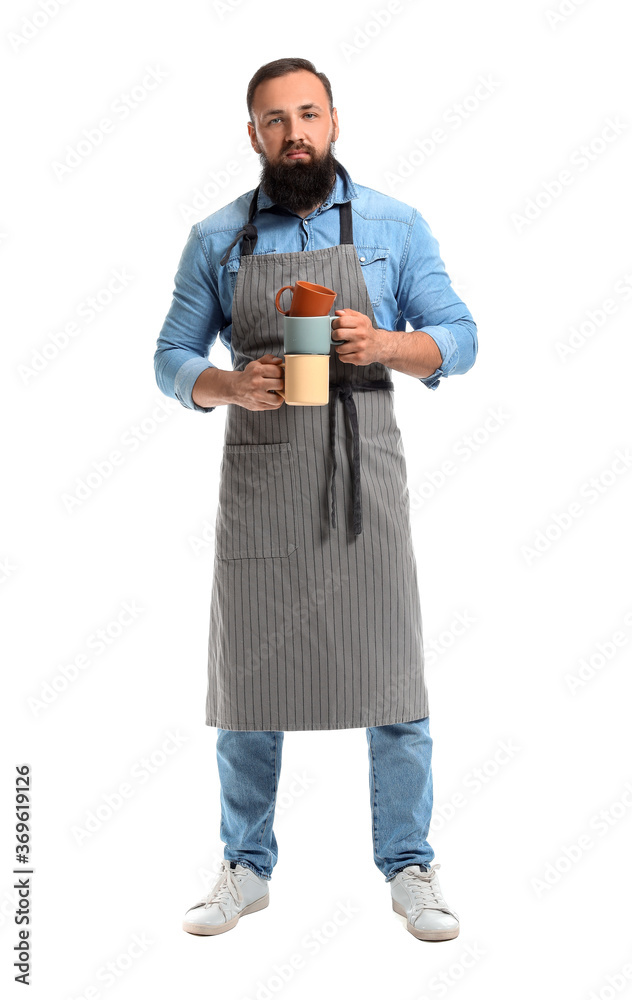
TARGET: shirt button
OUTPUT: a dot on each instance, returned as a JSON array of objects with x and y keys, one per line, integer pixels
[{"x": 362, "y": 258}]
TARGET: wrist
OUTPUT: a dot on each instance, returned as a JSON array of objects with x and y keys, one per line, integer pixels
[
  {"x": 230, "y": 383},
  {"x": 388, "y": 347},
  {"x": 414, "y": 353},
  {"x": 215, "y": 387}
]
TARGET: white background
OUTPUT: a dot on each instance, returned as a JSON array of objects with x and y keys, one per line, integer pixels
[{"x": 541, "y": 886}]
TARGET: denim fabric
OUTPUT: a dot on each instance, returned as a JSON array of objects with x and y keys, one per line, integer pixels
[
  {"x": 400, "y": 260},
  {"x": 400, "y": 785}
]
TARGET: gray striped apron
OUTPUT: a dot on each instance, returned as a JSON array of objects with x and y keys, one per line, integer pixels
[{"x": 315, "y": 620}]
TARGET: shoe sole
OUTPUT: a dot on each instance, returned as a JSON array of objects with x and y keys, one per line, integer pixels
[
  {"x": 206, "y": 929},
  {"x": 439, "y": 935}
]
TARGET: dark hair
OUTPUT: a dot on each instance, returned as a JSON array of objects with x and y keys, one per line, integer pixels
[{"x": 279, "y": 68}]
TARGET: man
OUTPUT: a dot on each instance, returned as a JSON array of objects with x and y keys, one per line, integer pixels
[{"x": 315, "y": 618}]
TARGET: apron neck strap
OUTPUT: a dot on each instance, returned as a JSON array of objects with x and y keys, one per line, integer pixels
[
  {"x": 249, "y": 231},
  {"x": 346, "y": 223}
]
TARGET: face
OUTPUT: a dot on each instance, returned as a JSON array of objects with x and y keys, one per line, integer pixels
[{"x": 291, "y": 114}]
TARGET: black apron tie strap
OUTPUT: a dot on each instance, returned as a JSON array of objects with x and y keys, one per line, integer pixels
[
  {"x": 345, "y": 391},
  {"x": 249, "y": 233}
]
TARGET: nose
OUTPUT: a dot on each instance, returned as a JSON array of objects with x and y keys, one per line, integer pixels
[{"x": 295, "y": 130}]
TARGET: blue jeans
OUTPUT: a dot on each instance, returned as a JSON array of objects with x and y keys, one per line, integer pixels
[{"x": 400, "y": 784}]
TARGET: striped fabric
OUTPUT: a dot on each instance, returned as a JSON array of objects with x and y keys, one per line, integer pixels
[{"x": 311, "y": 626}]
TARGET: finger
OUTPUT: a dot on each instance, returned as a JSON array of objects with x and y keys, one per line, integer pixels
[
  {"x": 343, "y": 333},
  {"x": 345, "y": 321},
  {"x": 345, "y": 349}
]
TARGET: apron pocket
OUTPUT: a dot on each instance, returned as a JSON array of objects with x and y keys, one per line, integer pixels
[{"x": 255, "y": 516}]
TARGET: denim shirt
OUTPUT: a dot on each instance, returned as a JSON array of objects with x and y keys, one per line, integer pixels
[{"x": 399, "y": 256}]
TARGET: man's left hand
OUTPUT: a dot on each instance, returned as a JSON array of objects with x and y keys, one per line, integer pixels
[{"x": 364, "y": 343}]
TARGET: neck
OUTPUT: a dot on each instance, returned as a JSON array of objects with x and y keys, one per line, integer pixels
[{"x": 304, "y": 214}]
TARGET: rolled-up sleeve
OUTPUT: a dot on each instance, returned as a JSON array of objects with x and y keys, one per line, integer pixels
[
  {"x": 429, "y": 303},
  {"x": 191, "y": 325}
]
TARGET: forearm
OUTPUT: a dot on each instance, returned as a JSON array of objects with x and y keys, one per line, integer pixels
[
  {"x": 414, "y": 353},
  {"x": 214, "y": 387}
]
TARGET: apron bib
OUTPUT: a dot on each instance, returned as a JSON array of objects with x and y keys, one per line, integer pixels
[{"x": 315, "y": 619}]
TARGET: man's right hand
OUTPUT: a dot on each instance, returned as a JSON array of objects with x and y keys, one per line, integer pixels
[
  {"x": 249, "y": 388},
  {"x": 253, "y": 386}
]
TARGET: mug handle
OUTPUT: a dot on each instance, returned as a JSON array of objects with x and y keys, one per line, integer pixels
[
  {"x": 284, "y": 312},
  {"x": 331, "y": 339}
]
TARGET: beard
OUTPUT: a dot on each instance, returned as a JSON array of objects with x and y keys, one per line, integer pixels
[{"x": 299, "y": 184}]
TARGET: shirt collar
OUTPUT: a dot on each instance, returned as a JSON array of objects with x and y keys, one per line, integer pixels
[{"x": 343, "y": 190}]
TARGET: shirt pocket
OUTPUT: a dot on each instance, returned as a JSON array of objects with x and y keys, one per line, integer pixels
[
  {"x": 256, "y": 517},
  {"x": 373, "y": 264}
]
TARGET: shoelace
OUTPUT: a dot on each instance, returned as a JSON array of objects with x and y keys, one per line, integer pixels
[
  {"x": 226, "y": 888},
  {"x": 426, "y": 892}
]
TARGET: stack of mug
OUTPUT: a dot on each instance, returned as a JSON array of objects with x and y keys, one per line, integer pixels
[{"x": 307, "y": 342}]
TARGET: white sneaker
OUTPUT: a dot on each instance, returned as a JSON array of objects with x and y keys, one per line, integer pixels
[
  {"x": 417, "y": 896},
  {"x": 238, "y": 890}
]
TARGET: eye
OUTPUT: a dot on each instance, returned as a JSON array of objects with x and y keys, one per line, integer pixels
[{"x": 273, "y": 120}]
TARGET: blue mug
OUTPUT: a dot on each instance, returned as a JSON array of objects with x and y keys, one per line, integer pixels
[{"x": 308, "y": 334}]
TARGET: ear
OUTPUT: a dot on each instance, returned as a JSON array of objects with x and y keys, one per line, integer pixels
[{"x": 253, "y": 137}]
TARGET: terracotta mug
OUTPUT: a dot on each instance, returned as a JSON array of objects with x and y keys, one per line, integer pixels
[
  {"x": 307, "y": 299},
  {"x": 306, "y": 380}
]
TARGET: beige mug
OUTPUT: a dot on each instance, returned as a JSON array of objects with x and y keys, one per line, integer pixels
[{"x": 306, "y": 380}]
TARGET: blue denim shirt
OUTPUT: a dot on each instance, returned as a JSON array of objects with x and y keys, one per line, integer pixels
[{"x": 399, "y": 256}]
